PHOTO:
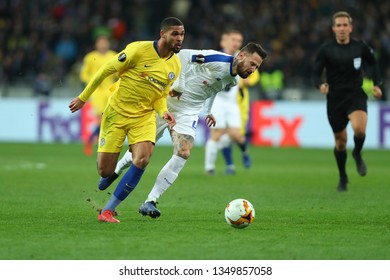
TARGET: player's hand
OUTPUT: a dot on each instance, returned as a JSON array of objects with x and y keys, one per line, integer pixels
[
  {"x": 324, "y": 88},
  {"x": 170, "y": 119},
  {"x": 377, "y": 92},
  {"x": 210, "y": 120},
  {"x": 76, "y": 104},
  {"x": 174, "y": 93}
]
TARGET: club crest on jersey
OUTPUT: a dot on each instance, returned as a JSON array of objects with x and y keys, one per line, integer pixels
[
  {"x": 122, "y": 57},
  {"x": 171, "y": 76},
  {"x": 102, "y": 142},
  {"x": 357, "y": 62}
]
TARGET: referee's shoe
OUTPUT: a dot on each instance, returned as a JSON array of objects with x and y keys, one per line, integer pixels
[{"x": 342, "y": 186}]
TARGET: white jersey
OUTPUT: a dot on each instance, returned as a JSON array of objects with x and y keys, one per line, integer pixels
[
  {"x": 204, "y": 73},
  {"x": 228, "y": 95},
  {"x": 225, "y": 109}
]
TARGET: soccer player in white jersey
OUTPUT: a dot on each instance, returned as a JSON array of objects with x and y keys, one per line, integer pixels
[
  {"x": 226, "y": 110},
  {"x": 204, "y": 73}
]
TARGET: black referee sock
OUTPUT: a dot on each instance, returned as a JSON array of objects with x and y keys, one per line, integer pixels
[
  {"x": 341, "y": 158},
  {"x": 359, "y": 141}
]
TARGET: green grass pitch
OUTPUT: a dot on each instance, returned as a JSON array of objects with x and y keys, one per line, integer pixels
[{"x": 49, "y": 194}]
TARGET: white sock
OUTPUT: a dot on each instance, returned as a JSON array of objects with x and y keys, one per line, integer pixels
[
  {"x": 211, "y": 154},
  {"x": 124, "y": 162},
  {"x": 224, "y": 141},
  {"x": 166, "y": 177}
]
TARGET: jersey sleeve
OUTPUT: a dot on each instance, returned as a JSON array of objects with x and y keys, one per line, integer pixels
[
  {"x": 160, "y": 106},
  {"x": 127, "y": 58},
  {"x": 208, "y": 104},
  {"x": 119, "y": 63},
  {"x": 372, "y": 64},
  {"x": 212, "y": 60},
  {"x": 105, "y": 71},
  {"x": 318, "y": 68}
]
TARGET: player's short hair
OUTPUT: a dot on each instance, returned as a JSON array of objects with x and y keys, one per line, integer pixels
[
  {"x": 252, "y": 48},
  {"x": 226, "y": 33},
  {"x": 231, "y": 31},
  {"x": 170, "y": 21},
  {"x": 341, "y": 14}
]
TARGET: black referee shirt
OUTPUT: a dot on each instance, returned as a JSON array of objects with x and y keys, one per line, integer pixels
[{"x": 344, "y": 65}]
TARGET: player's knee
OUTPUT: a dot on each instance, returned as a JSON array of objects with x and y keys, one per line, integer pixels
[
  {"x": 341, "y": 145},
  {"x": 184, "y": 153},
  {"x": 141, "y": 162}
]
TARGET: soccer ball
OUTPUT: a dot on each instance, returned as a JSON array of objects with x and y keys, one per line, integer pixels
[{"x": 239, "y": 213}]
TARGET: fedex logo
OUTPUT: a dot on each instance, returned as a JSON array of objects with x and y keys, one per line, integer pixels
[
  {"x": 57, "y": 124},
  {"x": 273, "y": 130},
  {"x": 54, "y": 125}
]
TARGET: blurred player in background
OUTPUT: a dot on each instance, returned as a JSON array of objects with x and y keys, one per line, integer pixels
[
  {"x": 91, "y": 63},
  {"x": 147, "y": 70},
  {"x": 243, "y": 100},
  {"x": 204, "y": 74},
  {"x": 227, "y": 108},
  {"x": 344, "y": 58}
]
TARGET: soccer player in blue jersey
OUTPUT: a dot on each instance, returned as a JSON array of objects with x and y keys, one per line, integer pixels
[
  {"x": 146, "y": 70},
  {"x": 204, "y": 74}
]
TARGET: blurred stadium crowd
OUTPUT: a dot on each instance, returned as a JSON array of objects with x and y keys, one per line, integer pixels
[{"x": 42, "y": 42}]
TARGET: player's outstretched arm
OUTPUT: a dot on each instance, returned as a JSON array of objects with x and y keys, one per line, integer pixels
[{"x": 76, "y": 104}]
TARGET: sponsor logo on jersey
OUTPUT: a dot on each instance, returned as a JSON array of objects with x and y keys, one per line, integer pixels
[{"x": 153, "y": 80}]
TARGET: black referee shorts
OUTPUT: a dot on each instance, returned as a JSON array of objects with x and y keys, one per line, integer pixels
[{"x": 338, "y": 109}]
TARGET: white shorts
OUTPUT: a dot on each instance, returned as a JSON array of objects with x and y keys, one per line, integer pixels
[
  {"x": 227, "y": 114},
  {"x": 185, "y": 124}
]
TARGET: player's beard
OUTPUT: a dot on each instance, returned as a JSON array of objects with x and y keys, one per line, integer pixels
[
  {"x": 240, "y": 70},
  {"x": 173, "y": 47},
  {"x": 176, "y": 48}
]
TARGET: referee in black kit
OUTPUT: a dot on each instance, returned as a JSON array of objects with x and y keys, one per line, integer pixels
[{"x": 344, "y": 59}]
